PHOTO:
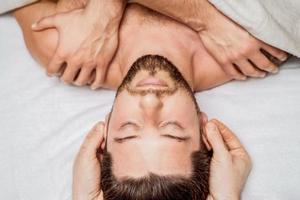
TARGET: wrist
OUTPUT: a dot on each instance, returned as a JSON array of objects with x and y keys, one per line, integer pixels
[
  {"x": 201, "y": 15},
  {"x": 112, "y": 9}
]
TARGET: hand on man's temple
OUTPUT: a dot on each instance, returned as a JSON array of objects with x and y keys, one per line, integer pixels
[
  {"x": 86, "y": 171},
  {"x": 230, "y": 164},
  {"x": 88, "y": 39}
]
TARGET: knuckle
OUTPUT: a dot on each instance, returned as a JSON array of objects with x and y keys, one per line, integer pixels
[
  {"x": 266, "y": 63},
  {"x": 224, "y": 61},
  {"x": 237, "y": 55},
  {"x": 51, "y": 70},
  {"x": 61, "y": 54},
  {"x": 248, "y": 48},
  {"x": 251, "y": 72},
  {"x": 67, "y": 80},
  {"x": 78, "y": 83},
  {"x": 90, "y": 62}
]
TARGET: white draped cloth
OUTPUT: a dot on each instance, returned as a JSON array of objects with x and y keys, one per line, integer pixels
[
  {"x": 8, "y": 5},
  {"x": 276, "y": 22}
]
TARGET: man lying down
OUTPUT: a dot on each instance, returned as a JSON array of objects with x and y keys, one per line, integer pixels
[
  {"x": 154, "y": 145},
  {"x": 155, "y": 142}
]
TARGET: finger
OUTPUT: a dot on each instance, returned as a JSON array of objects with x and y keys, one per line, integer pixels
[
  {"x": 92, "y": 77},
  {"x": 215, "y": 140},
  {"x": 232, "y": 142},
  {"x": 99, "y": 79},
  {"x": 61, "y": 70},
  {"x": 279, "y": 54},
  {"x": 44, "y": 23},
  {"x": 55, "y": 65},
  {"x": 263, "y": 63},
  {"x": 231, "y": 70},
  {"x": 84, "y": 76},
  {"x": 93, "y": 141},
  {"x": 206, "y": 143},
  {"x": 249, "y": 70},
  {"x": 70, "y": 73}
]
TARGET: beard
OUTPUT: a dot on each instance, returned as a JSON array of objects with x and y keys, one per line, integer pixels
[{"x": 153, "y": 64}]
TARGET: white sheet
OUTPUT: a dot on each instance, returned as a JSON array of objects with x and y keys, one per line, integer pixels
[
  {"x": 277, "y": 22},
  {"x": 43, "y": 122},
  {"x": 8, "y": 5}
]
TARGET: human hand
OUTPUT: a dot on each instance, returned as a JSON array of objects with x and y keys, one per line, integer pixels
[
  {"x": 86, "y": 171},
  {"x": 230, "y": 164},
  {"x": 88, "y": 39},
  {"x": 239, "y": 53}
]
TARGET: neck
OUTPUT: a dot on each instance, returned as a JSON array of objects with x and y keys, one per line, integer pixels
[{"x": 162, "y": 37}]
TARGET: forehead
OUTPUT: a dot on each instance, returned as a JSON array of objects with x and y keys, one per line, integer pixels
[{"x": 154, "y": 155}]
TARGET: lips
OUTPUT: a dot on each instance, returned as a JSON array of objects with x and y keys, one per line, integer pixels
[{"x": 153, "y": 82}]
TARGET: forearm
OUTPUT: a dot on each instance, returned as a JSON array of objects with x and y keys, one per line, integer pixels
[
  {"x": 41, "y": 45},
  {"x": 194, "y": 13}
]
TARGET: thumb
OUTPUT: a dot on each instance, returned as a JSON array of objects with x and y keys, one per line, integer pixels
[
  {"x": 215, "y": 139},
  {"x": 92, "y": 141},
  {"x": 44, "y": 23},
  {"x": 232, "y": 142}
]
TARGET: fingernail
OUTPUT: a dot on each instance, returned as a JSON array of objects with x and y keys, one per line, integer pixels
[
  {"x": 93, "y": 87},
  {"x": 283, "y": 58},
  {"x": 275, "y": 71},
  {"x": 262, "y": 75},
  {"x": 243, "y": 78},
  {"x": 77, "y": 83}
]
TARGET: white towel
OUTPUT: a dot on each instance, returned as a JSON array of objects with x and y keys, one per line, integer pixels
[
  {"x": 8, "y": 5},
  {"x": 276, "y": 22}
]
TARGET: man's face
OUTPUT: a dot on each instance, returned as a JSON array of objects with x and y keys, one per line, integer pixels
[{"x": 154, "y": 126}]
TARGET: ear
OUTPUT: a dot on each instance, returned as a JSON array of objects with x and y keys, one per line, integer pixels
[
  {"x": 203, "y": 119},
  {"x": 105, "y": 130}
]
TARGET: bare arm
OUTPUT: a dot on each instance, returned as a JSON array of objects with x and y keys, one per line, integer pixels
[
  {"x": 239, "y": 53},
  {"x": 41, "y": 45},
  {"x": 194, "y": 13}
]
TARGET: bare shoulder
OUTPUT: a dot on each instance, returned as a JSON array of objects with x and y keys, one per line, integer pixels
[{"x": 207, "y": 72}]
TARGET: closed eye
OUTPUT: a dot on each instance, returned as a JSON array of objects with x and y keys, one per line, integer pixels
[
  {"x": 179, "y": 139},
  {"x": 123, "y": 139}
]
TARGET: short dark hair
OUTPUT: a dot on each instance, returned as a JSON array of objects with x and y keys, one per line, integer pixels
[{"x": 156, "y": 187}]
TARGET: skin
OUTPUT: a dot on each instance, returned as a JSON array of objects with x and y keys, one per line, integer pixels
[
  {"x": 238, "y": 52},
  {"x": 138, "y": 36},
  {"x": 230, "y": 164},
  {"x": 185, "y": 53},
  {"x": 88, "y": 53},
  {"x": 156, "y": 131},
  {"x": 88, "y": 39}
]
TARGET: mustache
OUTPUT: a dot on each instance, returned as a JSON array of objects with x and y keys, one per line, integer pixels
[{"x": 157, "y": 92}]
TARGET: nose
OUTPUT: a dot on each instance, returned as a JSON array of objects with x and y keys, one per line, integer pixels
[{"x": 151, "y": 105}]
